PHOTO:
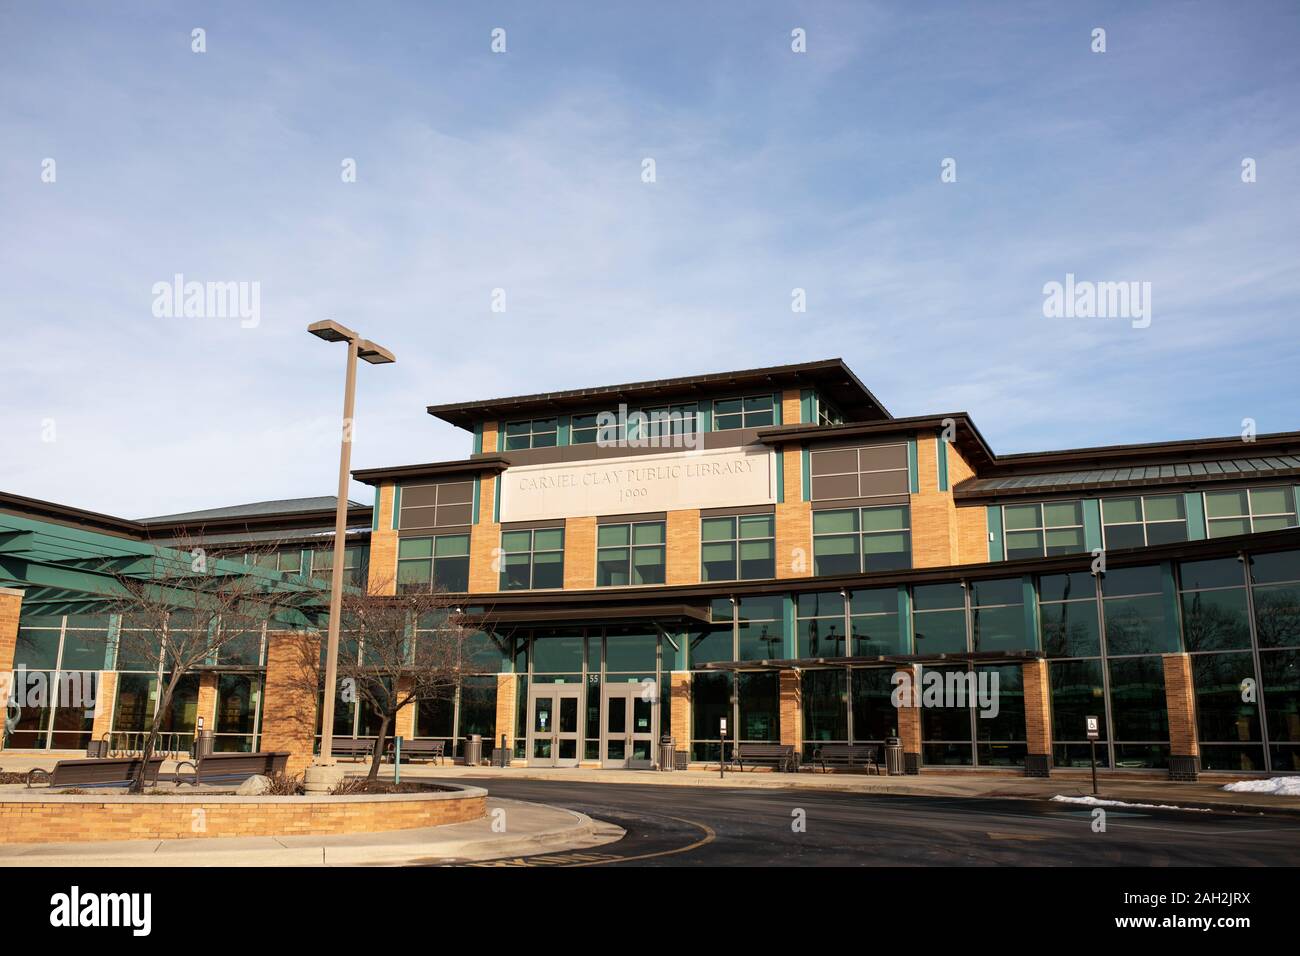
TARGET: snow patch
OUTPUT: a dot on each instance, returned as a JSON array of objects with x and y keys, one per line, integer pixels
[
  {"x": 1098, "y": 802},
  {"x": 1278, "y": 786}
]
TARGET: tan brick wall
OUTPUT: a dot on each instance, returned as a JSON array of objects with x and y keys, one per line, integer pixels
[
  {"x": 383, "y": 546},
  {"x": 791, "y": 709},
  {"x": 507, "y": 700},
  {"x": 11, "y": 602},
  {"x": 404, "y": 722},
  {"x": 679, "y": 690},
  {"x": 683, "y": 530},
  {"x": 104, "y": 705},
  {"x": 791, "y": 410},
  {"x": 489, "y": 437},
  {"x": 484, "y": 539},
  {"x": 934, "y": 517},
  {"x": 1180, "y": 699},
  {"x": 207, "y": 703},
  {"x": 972, "y": 534},
  {"x": 909, "y": 720},
  {"x": 580, "y": 552},
  {"x": 1038, "y": 706},
  {"x": 289, "y": 702},
  {"x": 793, "y": 519},
  {"x": 51, "y": 820}
]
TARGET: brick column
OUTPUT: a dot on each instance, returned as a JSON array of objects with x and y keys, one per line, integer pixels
[
  {"x": 207, "y": 705},
  {"x": 909, "y": 726},
  {"x": 507, "y": 698},
  {"x": 485, "y": 539},
  {"x": 383, "y": 545},
  {"x": 404, "y": 724},
  {"x": 105, "y": 702},
  {"x": 679, "y": 690},
  {"x": 791, "y": 710},
  {"x": 1180, "y": 701},
  {"x": 580, "y": 552},
  {"x": 793, "y": 519},
  {"x": 292, "y": 689},
  {"x": 934, "y": 513},
  {"x": 11, "y": 603},
  {"x": 1038, "y": 718},
  {"x": 683, "y": 553}
]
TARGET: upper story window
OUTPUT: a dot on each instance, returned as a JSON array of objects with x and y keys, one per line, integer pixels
[
  {"x": 632, "y": 553},
  {"x": 1247, "y": 510},
  {"x": 1143, "y": 520},
  {"x": 1043, "y": 529},
  {"x": 583, "y": 429},
  {"x": 753, "y": 411},
  {"x": 354, "y": 564},
  {"x": 738, "y": 547},
  {"x": 440, "y": 561},
  {"x": 285, "y": 560},
  {"x": 665, "y": 421},
  {"x": 538, "y": 433},
  {"x": 532, "y": 558},
  {"x": 849, "y": 540},
  {"x": 828, "y": 414}
]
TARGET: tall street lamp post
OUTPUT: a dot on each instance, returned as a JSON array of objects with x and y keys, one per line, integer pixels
[{"x": 323, "y": 773}]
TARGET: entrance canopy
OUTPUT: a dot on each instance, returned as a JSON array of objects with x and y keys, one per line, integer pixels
[{"x": 805, "y": 663}]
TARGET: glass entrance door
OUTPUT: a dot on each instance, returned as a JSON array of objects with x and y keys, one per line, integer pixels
[
  {"x": 553, "y": 734},
  {"x": 628, "y": 735}
]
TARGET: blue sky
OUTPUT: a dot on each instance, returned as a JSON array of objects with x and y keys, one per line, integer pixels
[{"x": 522, "y": 171}]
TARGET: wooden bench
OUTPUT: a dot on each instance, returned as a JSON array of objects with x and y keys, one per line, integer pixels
[
  {"x": 359, "y": 748},
  {"x": 781, "y": 756},
  {"x": 229, "y": 767},
  {"x": 97, "y": 772},
  {"x": 847, "y": 755},
  {"x": 418, "y": 749}
]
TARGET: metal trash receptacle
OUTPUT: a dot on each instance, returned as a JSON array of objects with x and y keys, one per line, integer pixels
[
  {"x": 203, "y": 743},
  {"x": 893, "y": 756},
  {"x": 473, "y": 750},
  {"x": 501, "y": 754},
  {"x": 667, "y": 753}
]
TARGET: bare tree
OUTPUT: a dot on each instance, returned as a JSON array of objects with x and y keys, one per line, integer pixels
[
  {"x": 398, "y": 650},
  {"x": 181, "y": 606}
]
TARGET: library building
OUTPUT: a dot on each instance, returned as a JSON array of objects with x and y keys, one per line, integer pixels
[{"x": 673, "y": 567}]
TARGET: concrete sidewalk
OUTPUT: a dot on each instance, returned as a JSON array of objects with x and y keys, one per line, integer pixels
[
  {"x": 531, "y": 829},
  {"x": 1207, "y": 793}
]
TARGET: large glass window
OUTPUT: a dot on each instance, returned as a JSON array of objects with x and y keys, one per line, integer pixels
[
  {"x": 997, "y": 615},
  {"x": 874, "y": 623},
  {"x": 753, "y": 411},
  {"x": 1215, "y": 613},
  {"x": 239, "y": 704},
  {"x": 760, "y": 631},
  {"x": 1141, "y": 520},
  {"x": 820, "y": 627},
  {"x": 1078, "y": 692},
  {"x": 1227, "y": 711},
  {"x": 825, "y": 698},
  {"x": 440, "y": 561},
  {"x": 532, "y": 558},
  {"x": 946, "y": 727},
  {"x": 354, "y": 564},
  {"x": 758, "y": 703},
  {"x": 538, "y": 433},
  {"x": 710, "y": 704},
  {"x": 939, "y": 618},
  {"x": 1247, "y": 510},
  {"x": 1067, "y": 613},
  {"x": 630, "y": 554},
  {"x": 850, "y": 540},
  {"x": 1275, "y": 589},
  {"x": 1138, "y": 711},
  {"x": 738, "y": 547},
  {"x": 667, "y": 424},
  {"x": 1039, "y": 529},
  {"x": 1137, "y": 619},
  {"x": 1280, "y": 681}
]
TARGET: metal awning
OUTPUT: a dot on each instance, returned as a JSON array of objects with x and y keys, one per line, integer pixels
[{"x": 593, "y": 612}]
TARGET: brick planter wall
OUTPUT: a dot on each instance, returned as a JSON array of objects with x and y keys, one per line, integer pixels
[{"x": 41, "y": 817}]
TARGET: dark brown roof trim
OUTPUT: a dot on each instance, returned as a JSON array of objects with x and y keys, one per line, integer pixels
[
  {"x": 843, "y": 388},
  {"x": 63, "y": 514},
  {"x": 358, "y": 517},
  {"x": 433, "y": 469},
  {"x": 1194, "y": 449},
  {"x": 967, "y": 437},
  {"x": 972, "y": 491}
]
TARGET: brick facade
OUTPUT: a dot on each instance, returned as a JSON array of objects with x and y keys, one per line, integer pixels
[
  {"x": 1180, "y": 699},
  {"x": 105, "y": 701},
  {"x": 507, "y": 701},
  {"x": 383, "y": 546},
  {"x": 580, "y": 553},
  {"x": 292, "y": 674},
  {"x": 791, "y": 709},
  {"x": 485, "y": 540},
  {"x": 909, "y": 719},
  {"x": 793, "y": 519},
  {"x": 1038, "y": 707},
  {"x": 207, "y": 702},
  {"x": 683, "y": 531},
  {"x": 680, "y": 716}
]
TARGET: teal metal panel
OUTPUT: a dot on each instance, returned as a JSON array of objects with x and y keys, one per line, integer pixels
[
  {"x": 913, "y": 472},
  {"x": 780, "y": 476},
  {"x": 706, "y": 415},
  {"x": 562, "y": 431},
  {"x": 397, "y": 506},
  {"x": 374, "y": 513},
  {"x": 994, "y": 519},
  {"x": 1194, "y": 506},
  {"x": 496, "y": 499},
  {"x": 808, "y": 406},
  {"x": 778, "y": 414},
  {"x": 805, "y": 476},
  {"x": 787, "y": 612},
  {"x": 1031, "y": 611},
  {"x": 1091, "y": 524},
  {"x": 478, "y": 438},
  {"x": 941, "y": 456},
  {"x": 114, "y": 638},
  {"x": 478, "y": 491},
  {"x": 905, "y": 619}
]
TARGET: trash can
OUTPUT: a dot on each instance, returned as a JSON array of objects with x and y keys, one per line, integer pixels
[
  {"x": 893, "y": 756},
  {"x": 501, "y": 754},
  {"x": 203, "y": 744},
  {"x": 667, "y": 753},
  {"x": 473, "y": 750}
]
